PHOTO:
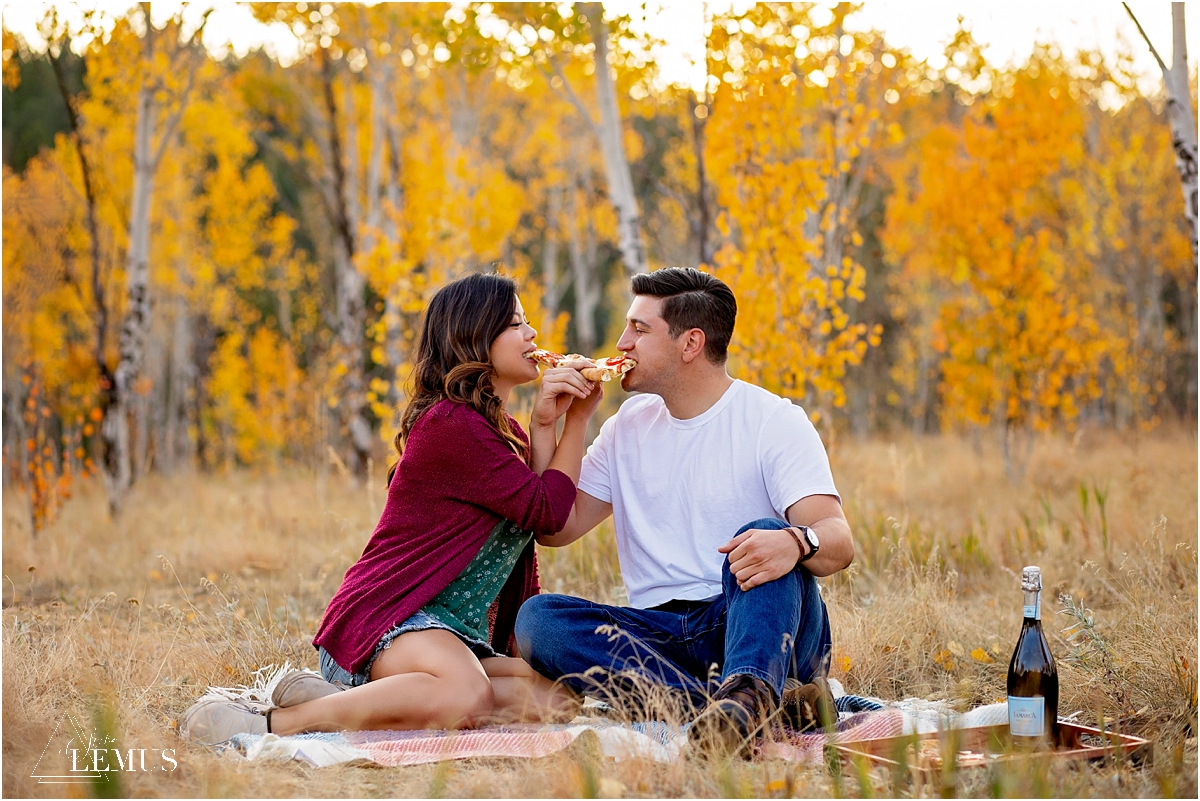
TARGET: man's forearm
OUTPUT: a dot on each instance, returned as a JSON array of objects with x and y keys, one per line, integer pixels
[
  {"x": 570, "y": 532},
  {"x": 837, "y": 547},
  {"x": 823, "y": 514},
  {"x": 586, "y": 514}
]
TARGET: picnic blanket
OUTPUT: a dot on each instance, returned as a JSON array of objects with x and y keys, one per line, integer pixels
[{"x": 859, "y": 718}]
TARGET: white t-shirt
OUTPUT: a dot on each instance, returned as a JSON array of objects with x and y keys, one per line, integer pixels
[{"x": 681, "y": 488}]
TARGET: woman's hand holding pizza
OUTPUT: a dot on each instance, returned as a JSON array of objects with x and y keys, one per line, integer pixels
[
  {"x": 582, "y": 409},
  {"x": 560, "y": 387}
]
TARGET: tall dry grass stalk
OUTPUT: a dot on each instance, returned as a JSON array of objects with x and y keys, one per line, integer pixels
[{"x": 207, "y": 578}]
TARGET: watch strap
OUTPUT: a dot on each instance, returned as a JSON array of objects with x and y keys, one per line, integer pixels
[
  {"x": 808, "y": 538},
  {"x": 800, "y": 541}
]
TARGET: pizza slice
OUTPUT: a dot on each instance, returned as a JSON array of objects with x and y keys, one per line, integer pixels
[{"x": 601, "y": 369}]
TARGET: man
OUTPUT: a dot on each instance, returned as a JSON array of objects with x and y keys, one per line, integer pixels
[{"x": 682, "y": 467}]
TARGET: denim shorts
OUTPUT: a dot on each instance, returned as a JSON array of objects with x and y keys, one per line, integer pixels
[{"x": 336, "y": 674}]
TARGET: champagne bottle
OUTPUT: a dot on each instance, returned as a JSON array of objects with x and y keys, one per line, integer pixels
[{"x": 1032, "y": 678}]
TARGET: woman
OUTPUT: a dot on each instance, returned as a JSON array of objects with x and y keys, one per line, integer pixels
[{"x": 405, "y": 642}]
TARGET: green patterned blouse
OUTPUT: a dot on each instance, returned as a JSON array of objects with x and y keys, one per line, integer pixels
[{"x": 463, "y": 605}]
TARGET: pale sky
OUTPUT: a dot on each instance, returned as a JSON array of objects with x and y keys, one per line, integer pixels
[{"x": 1008, "y": 29}]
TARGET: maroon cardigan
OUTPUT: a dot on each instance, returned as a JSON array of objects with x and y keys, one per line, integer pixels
[{"x": 458, "y": 479}]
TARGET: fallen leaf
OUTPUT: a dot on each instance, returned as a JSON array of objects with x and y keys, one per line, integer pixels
[
  {"x": 980, "y": 655},
  {"x": 611, "y": 788},
  {"x": 945, "y": 659}
]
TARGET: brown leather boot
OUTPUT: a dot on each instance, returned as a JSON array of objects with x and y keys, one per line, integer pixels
[
  {"x": 729, "y": 724},
  {"x": 808, "y": 706}
]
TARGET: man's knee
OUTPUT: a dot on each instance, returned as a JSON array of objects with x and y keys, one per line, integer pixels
[
  {"x": 538, "y": 621},
  {"x": 763, "y": 523}
]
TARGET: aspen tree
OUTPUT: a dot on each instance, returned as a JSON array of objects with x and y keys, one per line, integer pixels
[
  {"x": 795, "y": 118},
  {"x": 167, "y": 69},
  {"x": 1181, "y": 114}
]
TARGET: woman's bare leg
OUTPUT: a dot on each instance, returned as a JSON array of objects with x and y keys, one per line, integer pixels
[
  {"x": 522, "y": 695},
  {"x": 423, "y": 680}
]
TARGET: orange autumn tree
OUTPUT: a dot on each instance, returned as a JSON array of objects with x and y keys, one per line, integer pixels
[
  {"x": 795, "y": 104},
  {"x": 990, "y": 217},
  {"x": 50, "y": 377}
]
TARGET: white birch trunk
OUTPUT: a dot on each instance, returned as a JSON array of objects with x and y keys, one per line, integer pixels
[
  {"x": 1182, "y": 118},
  {"x": 612, "y": 145},
  {"x": 115, "y": 429},
  {"x": 1180, "y": 114},
  {"x": 147, "y": 154},
  {"x": 350, "y": 284},
  {"x": 351, "y": 316},
  {"x": 1183, "y": 136},
  {"x": 351, "y": 189},
  {"x": 379, "y": 222},
  {"x": 379, "y": 80},
  {"x": 583, "y": 265},
  {"x": 554, "y": 285},
  {"x": 176, "y": 441},
  {"x": 393, "y": 318},
  {"x": 383, "y": 189}
]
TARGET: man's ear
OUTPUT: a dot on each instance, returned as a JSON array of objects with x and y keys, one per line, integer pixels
[{"x": 693, "y": 344}]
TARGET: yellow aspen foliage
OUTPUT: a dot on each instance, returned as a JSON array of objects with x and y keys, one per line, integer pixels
[
  {"x": 1019, "y": 228},
  {"x": 795, "y": 109},
  {"x": 254, "y": 385},
  {"x": 11, "y": 70}
]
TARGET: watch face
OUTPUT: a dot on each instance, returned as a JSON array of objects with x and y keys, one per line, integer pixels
[{"x": 811, "y": 536}]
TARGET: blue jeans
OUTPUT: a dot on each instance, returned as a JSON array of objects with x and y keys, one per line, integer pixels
[{"x": 772, "y": 631}]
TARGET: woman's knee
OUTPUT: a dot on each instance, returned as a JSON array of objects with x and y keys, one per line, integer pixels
[
  {"x": 469, "y": 701},
  {"x": 479, "y": 701}
]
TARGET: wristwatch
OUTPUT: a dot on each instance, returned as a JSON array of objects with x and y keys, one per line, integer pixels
[{"x": 810, "y": 537}]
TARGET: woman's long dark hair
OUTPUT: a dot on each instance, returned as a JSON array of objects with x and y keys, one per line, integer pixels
[{"x": 462, "y": 321}]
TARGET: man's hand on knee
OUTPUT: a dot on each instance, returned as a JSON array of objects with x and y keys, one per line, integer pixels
[{"x": 758, "y": 555}]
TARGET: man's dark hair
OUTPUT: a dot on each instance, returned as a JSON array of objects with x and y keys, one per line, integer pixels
[{"x": 693, "y": 299}]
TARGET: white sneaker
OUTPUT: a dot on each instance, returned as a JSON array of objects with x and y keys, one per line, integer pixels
[{"x": 211, "y": 721}]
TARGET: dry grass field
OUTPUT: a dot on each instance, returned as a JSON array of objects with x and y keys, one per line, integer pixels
[{"x": 208, "y": 577}]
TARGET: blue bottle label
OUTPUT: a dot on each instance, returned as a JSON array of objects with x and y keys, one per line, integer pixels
[{"x": 1026, "y": 716}]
